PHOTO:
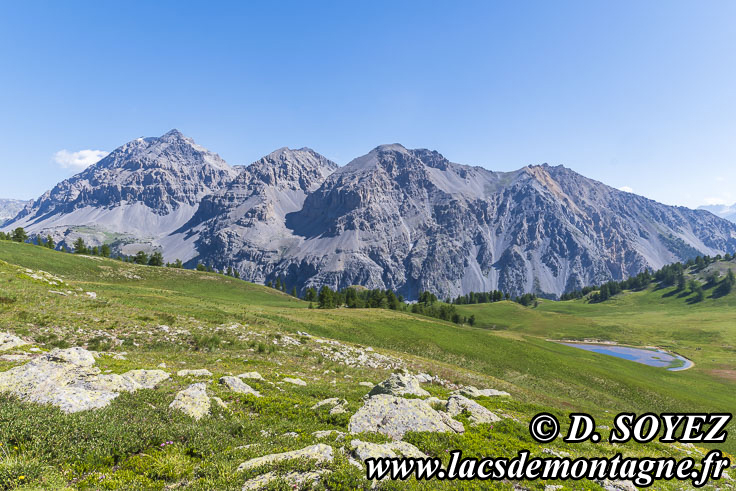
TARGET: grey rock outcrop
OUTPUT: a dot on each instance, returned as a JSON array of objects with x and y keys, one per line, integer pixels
[
  {"x": 470, "y": 391},
  {"x": 199, "y": 372},
  {"x": 9, "y": 341},
  {"x": 478, "y": 414},
  {"x": 301, "y": 480},
  {"x": 68, "y": 379},
  {"x": 251, "y": 375},
  {"x": 319, "y": 453},
  {"x": 237, "y": 385},
  {"x": 399, "y": 384},
  {"x": 395, "y": 416},
  {"x": 192, "y": 401}
]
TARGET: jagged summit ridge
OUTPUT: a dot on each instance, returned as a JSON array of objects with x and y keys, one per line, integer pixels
[{"x": 399, "y": 218}]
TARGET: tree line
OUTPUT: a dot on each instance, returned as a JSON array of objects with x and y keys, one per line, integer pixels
[{"x": 669, "y": 275}]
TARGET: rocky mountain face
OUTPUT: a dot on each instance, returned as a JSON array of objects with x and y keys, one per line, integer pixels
[
  {"x": 9, "y": 208},
  {"x": 723, "y": 211},
  {"x": 408, "y": 220},
  {"x": 139, "y": 194}
]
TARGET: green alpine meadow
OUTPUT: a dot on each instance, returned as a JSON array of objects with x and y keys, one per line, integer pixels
[{"x": 197, "y": 380}]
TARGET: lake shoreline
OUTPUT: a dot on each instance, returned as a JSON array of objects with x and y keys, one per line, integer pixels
[{"x": 686, "y": 362}]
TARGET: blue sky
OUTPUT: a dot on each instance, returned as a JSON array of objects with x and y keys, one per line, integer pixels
[{"x": 636, "y": 94}]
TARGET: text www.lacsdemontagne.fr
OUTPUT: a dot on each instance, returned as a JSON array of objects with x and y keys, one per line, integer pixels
[{"x": 642, "y": 471}]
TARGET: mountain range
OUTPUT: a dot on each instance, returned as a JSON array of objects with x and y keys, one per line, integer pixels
[
  {"x": 9, "y": 208},
  {"x": 405, "y": 219}
]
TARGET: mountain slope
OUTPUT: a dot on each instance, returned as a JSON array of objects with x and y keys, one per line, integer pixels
[
  {"x": 145, "y": 189},
  {"x": 9, "y": 208},
  {"x": 245, "y": 224},
  {"x": 410, "y": 220},
  {"x": 723, "y": 211}
]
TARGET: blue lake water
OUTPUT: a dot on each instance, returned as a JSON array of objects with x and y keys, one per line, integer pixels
[{"x": 653, "y": 358}]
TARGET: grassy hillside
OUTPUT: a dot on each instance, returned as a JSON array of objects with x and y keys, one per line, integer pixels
[{"x": 189, "y": 319}]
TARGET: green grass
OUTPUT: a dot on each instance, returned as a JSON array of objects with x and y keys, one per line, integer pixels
[{"x": 190, "y": 319}]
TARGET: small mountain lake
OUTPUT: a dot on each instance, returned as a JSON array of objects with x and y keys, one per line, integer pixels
[{"x": 652, "y": 357}]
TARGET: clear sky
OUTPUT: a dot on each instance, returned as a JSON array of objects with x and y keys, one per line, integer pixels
[{"x": 635, "y": 94}]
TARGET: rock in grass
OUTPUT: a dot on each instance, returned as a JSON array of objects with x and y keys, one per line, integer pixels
[
  {"x": 478, "y": 414},
  {"x": 295, "y": 381},
  {"x": 395, "y": 416},
  {"x": 237, "y": 385},
  {"x": 301, "y": 480},
  {"x": 10, "y": 341},
  {"x": 339, "y": 406},
  {"x": 147, "y": 379},
  {"x": 68, "y": 380},
  {"x": 320, "y": 453},
  {"x": 200, "y": 372},
  {"x": 470, "y": 391},
  {"x": 328, "y": 434},
  {"x": 75, "y": 356},
  {"x": 251, "y": 375},
  {"x": 456, "y": 425},
  {"x": 192, "y": 401},
  {"x": 399, "y": 384},
  {"x": 365, "y": 450}
]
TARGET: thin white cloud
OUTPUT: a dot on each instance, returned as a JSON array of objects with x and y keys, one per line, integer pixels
[
  {"x": 715, "y": 201},
  {"x": 626, "y": 189},
  {"x": 78, "y": 160}
]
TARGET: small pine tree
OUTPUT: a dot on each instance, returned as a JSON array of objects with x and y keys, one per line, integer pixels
[
  {"x": 237, "y": 274},
  {"x": 19, "y": 235},
  {"x": 79, "y": 246},
  {"x": 50, "y": 242},
  {"x": 201, "y": 267},
  {"x": 293, "y": 292},
  {"x": 105, "y": 250},
  {"x": 141, "y": 258},
  {"x": 156, "y": 259}
]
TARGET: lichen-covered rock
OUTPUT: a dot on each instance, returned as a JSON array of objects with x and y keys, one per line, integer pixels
[
  {"x": 251, "y": 375},
  {"x": 424, "y": 378},
  {"x": 147, "y": 379},
  {"x": 111, "y": 382},
  {"x": 76, "y": 356},
  {"x": 296, "y": 479},
  {"x": 365, "y": 450},
  {"x": 399, "y": 384},
  {"x": 192, "y": 401},
  {"x": 456, "y": 425},
  {"x": 295, "y": 381},
  {"x": 9, "y": 341},
  {"x": 478, "y": 414},
  {"x": 339, "y": 406},
  {"x": 320, "y": 453},
  {"x": 200, "y": 372},
  {"x": 237, "y": 385},
  {"x": 328, "y": 433},
  {"x": 395, "y": 416},
  {"x": 470, "y": 391},
  {"x": 66, "y": 379}
]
